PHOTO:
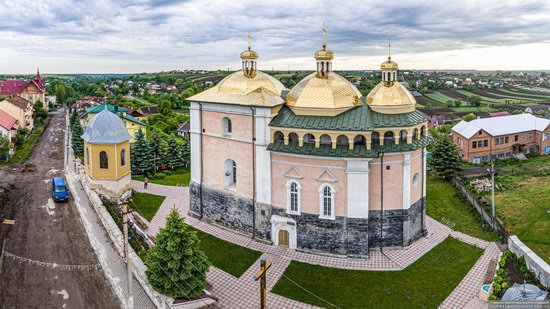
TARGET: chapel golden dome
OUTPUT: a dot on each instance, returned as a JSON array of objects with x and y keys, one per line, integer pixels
[
  {"x": 389, "y": 65},
  {"x": 391, "y": 98},
  {"x": 330, "y": 95},
  {"x": 249, "y": 54},
  {"x": 324, "y": 54},
  {"x": 261, "y": 90}
]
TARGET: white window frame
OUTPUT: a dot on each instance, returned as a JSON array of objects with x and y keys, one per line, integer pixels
[
  {"x": 322, "y": 200},
  {"x": 289, "y": 197},
  {"x": 227, "y": 127}
]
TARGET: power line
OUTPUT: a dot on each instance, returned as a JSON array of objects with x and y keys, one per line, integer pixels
[{"x": 319, "y": 297}]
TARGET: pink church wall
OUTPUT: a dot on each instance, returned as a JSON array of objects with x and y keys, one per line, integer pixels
[
  {"x": 393, "y": 183},
  {"x": 217, "y": 149},
  {"x": 310, "y": 169},
  {"x": 416, "y": 167}
]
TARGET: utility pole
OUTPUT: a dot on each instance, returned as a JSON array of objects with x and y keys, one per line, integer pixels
[
  {"x": 261, "y": 275},
  {"x": 130, "y": 303}
]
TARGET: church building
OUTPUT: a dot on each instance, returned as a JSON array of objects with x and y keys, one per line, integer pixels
[
  {"x": 317, "y": 168},
  {"x": 32, "y": 90}
]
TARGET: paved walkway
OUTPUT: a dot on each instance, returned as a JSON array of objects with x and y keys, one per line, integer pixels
[
  {"x": 112, "y": 263},
  {"x": 241, "y": 292}
]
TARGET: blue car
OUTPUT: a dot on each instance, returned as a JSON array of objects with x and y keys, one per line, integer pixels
[{"x": 59, "y": 190}]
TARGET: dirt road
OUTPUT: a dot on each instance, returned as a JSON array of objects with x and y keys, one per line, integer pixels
[{"x": 48, "y": 232}]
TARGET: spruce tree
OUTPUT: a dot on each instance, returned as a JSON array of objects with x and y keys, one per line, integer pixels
[
  {"x": 76, "y": 140},
  {"x": 176, "y": 266},
  {"x": 186, "y": 153},
  {"x": 141, "y": 154},
  {"x": 158, "y": 149},
  {"x": 445, "y": 160},
  {"x": 175, "y": 158}
]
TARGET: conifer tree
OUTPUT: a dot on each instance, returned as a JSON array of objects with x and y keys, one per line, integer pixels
[
  {"x": 176, "y": 266},
  {"x": 158, "y": 149},
  {"x": 445, "y": 160},
  {"x": 141, "y": 154},
  {"x": 186, "y": 153},
  {"x": 175, "y": 158},
  {"x": 76, "y": 139}
]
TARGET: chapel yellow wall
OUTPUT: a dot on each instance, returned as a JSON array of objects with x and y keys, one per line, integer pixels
[
  {"x": 133, "y": 129},
  {"x": 115, "y": 170}
]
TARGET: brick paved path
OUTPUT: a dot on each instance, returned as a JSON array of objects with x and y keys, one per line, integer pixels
[{"x": 242, "y": 292}]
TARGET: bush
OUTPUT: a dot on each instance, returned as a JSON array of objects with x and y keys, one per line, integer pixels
[{"x": 158, "y": 176}]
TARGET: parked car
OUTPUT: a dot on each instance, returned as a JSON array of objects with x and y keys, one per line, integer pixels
[{"x": 60, "y": 191}]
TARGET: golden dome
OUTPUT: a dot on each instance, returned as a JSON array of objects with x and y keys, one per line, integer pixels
[
  {"x": 260, "y": 90},
  {"x": 389, "y": 65},
  {"x": 391, "y": 98},
  {"x": 324, "y": 54},
  {"x": 249, "y": 54},
  {"x": 330, "y": 95}
]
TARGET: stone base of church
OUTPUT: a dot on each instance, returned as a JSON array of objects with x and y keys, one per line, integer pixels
[
  {"x": 111, "y": 189},
  {"x": 342, "y": 236}
]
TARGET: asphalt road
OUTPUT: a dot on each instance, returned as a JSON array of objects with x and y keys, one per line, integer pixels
[{"x": 48, "y": 232}]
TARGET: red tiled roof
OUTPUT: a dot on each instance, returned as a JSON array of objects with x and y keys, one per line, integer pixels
[
  {"x": 19, "y": 102},
  {"x": 7, "y": 121},
  {"x": 12, "y": 87}
]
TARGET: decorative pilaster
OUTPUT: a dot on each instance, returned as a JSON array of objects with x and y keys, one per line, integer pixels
[
  {"x": 358, "y": 188},
  {"x": 406, "y": 180}
]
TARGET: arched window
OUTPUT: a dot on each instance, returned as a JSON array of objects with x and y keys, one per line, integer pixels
[
  {"x": 325, "y": 140},
  {"x": 415, "y": 134},
  {"x": 403, "y": 136},
  {"x": 293, "y": 138},
  {"x": 326, "y": 202},
  {"x": 293, "y": 190},
  {"x": 423, "y": 131},
  {"x": 342, "y": 140},
  {"x": 87, "y": 157},
  {"x": 389, "y": 138},
  {"x": 359, "y": 140},
  {"x": 278, "y": 136},
  {"x": 230, "y": 172},
  {"x": 309, "y": 139},
  {"x": 375, "y": 136},
  {"x": 103, "y": 160},
  {"x": 226, "y": 127},
  {"x": 415, "y": 178},
  {"x": 123, "y": 157}
]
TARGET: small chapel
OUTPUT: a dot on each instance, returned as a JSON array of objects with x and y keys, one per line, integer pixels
[
  {"x": 107, "y": 155},
  {"x": 316, "y": 168}
]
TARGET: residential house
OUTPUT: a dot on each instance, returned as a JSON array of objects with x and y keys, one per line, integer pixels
[
  {"x": 149, "y": 110},
  {"x": 499, "y": 114},
  {"x": 537, "y": 108},
  {"x": 8, "y": 126},
  {"x": 20, "y": 109},
  {"x": 30, "y": 90},
  {"x": 183, "y": 130},
  {"x": 501, "y": 137}
]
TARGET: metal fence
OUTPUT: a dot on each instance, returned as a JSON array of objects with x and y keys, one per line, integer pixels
[{"x": 495, "y": 223}]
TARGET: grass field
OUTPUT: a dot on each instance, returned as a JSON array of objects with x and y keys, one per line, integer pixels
[
  {"x": 424, "y": 284},
  {"x": 146, "y": 204},
  {"x": 23, "y": 152},
  {"x": 445, "y": 204},
  {"x": 227, "y": 256},
  {"x": 176, "y": 178},
  {"x": 524, "y": 207}
]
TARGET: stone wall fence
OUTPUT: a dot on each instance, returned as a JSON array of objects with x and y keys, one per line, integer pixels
[
  {"x": 533, "y": 261},
  {"x": 138, "y": 267}
]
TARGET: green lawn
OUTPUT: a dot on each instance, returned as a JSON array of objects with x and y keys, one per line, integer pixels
[
  {"x": 445, "y": 204},
  {"x": 177, "y": 178},
  {"x": 146, "y": 204},
  {"x": 524, "y": 208},
  {"x": 227, "y": 256},
  {"x": 424, "y": 284},
  {"x": 24, "y": 152}
]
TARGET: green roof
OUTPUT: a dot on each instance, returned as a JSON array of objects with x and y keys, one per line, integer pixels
[
  {"x": 112, "y": 108},
  {"x": 343, "y": 151},
  {"x": 361, "y": 118},
  {"x": 132, "y": 119}
]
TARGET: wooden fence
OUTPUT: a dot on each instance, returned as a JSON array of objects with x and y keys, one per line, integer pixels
[{"x": 495, "y": 223}]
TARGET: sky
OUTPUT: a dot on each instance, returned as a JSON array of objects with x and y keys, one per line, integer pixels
[{"x": 107, "y": 36}]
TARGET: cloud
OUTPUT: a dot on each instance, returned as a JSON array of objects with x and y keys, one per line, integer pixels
[{"x": 124, "y": 36}]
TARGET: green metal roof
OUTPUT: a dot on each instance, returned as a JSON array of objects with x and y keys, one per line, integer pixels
[
  {"x": 361, "y": 118},
  {"x": 132, "y": 119},
  {"x": 343, "y": 151},
  {"x": 112, "y": 108}
]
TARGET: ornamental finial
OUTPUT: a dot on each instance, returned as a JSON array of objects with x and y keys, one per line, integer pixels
[
  {"x": 249, "y": 38},
  {"x": 324, "y": 34}
]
